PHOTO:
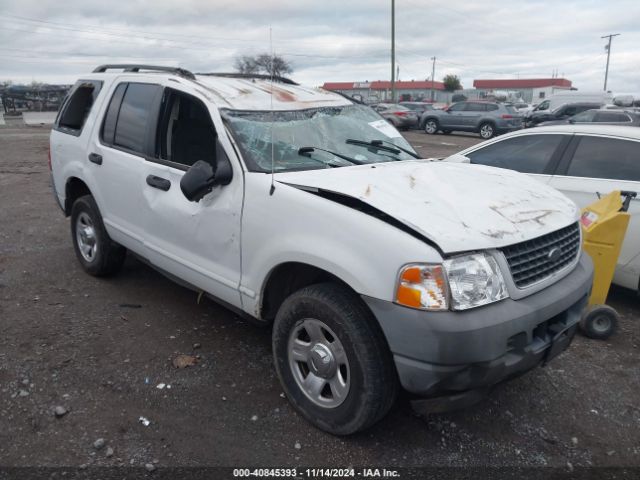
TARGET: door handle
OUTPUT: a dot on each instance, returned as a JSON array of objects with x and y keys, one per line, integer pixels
[
  {"x": 95, "y": 158},
  {"x": 158, "y": 182}
]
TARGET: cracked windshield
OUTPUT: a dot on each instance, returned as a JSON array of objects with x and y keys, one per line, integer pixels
[{"x": 315, "y": 138}]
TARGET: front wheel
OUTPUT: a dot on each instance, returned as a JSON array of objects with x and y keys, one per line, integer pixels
[
  {"x": 487, "y": 130},
  {"x": 431, "y": 126},
  {"x": 332, "y": 359}
]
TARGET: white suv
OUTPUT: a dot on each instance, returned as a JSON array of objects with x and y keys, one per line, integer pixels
[{"x": 299, "y": 207}]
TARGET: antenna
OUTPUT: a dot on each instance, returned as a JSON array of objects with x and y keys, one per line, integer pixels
[{"x": 273, "y": 186}]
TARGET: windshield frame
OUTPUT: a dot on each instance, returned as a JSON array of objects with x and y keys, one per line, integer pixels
[{"x": 249, "y": 163}]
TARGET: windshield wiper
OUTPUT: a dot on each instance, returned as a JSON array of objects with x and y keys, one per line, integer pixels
[
  {"x": 305, "y": 151},
  {"x": 378, "y": 144}
]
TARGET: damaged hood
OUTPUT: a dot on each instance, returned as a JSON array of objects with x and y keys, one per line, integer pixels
[{"x": 458, "y": 207}]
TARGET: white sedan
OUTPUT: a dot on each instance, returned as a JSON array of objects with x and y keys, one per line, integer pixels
[{"x": 582, "y": 161}]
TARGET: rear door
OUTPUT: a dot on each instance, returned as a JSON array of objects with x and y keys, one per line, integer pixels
[
  {"x": 596, "y": 165},
  {"x": 117, "y": 155}
]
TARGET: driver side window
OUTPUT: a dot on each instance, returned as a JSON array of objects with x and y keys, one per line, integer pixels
[
  {"x": 457, "y": 107},
  {"x": 186, "y": 133}
]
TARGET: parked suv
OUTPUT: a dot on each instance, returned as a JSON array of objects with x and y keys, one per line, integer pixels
[
  {"x": 299, "y": 208},
  {"x": 485, "y": 118},
  {"x": 562, "y": 112}
]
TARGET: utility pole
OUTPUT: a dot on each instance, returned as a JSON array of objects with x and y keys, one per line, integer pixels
[
  {"x": 393, "y": 51},
  {"x": 433, "y": 74},
  {"x": 608, "y": 48}
]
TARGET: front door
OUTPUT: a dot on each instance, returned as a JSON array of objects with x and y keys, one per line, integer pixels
[{"x": 199, "y": 242}]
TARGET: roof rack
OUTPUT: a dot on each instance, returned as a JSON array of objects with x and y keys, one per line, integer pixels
[
  {"x": 128, "y": 67},
  {"x": 260, "y": 76}
]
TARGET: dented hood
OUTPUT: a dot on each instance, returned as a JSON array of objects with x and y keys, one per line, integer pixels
[{"x": 458, "y": 207}]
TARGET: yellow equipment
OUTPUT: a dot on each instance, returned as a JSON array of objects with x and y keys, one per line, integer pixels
[{"x": 604, "y": 224}]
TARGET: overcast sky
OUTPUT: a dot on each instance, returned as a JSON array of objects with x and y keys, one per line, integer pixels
[{"x": 330, "y": 40}]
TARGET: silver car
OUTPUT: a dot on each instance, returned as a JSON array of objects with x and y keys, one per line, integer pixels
[{"x": 486, "y": 118}]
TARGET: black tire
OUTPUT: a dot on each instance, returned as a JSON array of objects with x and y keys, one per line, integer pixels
[
  {"x": 108, "y": 256},
  {"x": 599, "y": 322},
  {"x": 487, "y": 130},
  {"x": 372, "y": 376},
  {"x": 431, "y": 126}
]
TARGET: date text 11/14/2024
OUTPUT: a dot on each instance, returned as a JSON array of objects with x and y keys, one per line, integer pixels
[{"x": 316, "y": 473}]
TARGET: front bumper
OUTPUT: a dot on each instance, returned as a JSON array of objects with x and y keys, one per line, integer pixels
[{"x": 439, "y": 353}]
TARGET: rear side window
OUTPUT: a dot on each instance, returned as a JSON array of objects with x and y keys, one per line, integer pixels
[
  {"x": 509, "y": 108},
  {"x": 76, "y": 109},
  {"x": 526, "y": 153},
  {"x": 598, "y": 157},
  {"x": 612, "y": 117},
  {"x": 131, "y": 117}
]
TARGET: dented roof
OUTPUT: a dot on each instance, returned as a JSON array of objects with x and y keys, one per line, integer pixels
[{"x": 256, "y": 94}]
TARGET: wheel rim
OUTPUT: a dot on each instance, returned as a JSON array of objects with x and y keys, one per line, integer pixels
[
  {"x": 486, "y": 131},
  {"x": 319, "y": 363},
  {"x": 86, "y": 237},
  {"x": 601, "y": 323},
  {"x": 431, "y": 127}
]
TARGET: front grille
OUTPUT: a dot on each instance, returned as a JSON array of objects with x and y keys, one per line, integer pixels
[{"x": 531, "y": 261}]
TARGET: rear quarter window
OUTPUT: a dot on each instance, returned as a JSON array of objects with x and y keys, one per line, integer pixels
[
  {"x": 76, "y": 108},
  {"x": 610, "y": 158}
]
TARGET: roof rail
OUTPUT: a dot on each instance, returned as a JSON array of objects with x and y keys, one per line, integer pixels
[
  {"x": 129, "y": 67},
  {"x": 260, "y": 76}
]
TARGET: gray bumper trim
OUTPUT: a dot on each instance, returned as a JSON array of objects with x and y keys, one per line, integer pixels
[{"x": 458, "y": 350}]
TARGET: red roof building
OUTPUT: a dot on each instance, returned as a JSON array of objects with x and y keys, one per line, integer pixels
[
  {"x": 508, "y": 84},
  {"x": 380, "y": 90},
  {"x": 384, "y": 85}
]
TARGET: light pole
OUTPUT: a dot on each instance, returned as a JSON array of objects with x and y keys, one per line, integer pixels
[
  {"x": 433, "y": 74},
  {"x": 393, "y": 51},
  {"x": 608, "y": 47}
]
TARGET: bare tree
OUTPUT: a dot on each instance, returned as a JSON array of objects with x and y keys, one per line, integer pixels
[
  {"x": 246, "y": 64},
  {"x": 264, "y": 63}
]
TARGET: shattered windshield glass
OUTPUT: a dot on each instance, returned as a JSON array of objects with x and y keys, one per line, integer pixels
[{"x": 324, "y": 129}]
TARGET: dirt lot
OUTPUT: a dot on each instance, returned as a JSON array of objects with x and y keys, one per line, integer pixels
[{"x": 99, "y": 348}]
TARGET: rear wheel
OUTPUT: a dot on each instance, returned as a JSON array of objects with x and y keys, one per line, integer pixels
[
  {"x": 96, "y": 252},
  {"x": 333, "y": 360},
  {"x": 431, "y": 126},
  {"x": 487, "y": 130}
]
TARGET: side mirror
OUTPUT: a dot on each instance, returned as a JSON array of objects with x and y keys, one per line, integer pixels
[
  {"x": 201, "y": 177},
  {"x": 197, "y": 181}
]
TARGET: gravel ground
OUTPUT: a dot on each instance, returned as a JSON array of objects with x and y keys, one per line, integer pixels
[{"x": 99, "y": 348}]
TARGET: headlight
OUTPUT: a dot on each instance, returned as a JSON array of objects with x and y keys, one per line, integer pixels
[
  {"x": 474, "y": 280},
  {"x": 423, "y": 287}
]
